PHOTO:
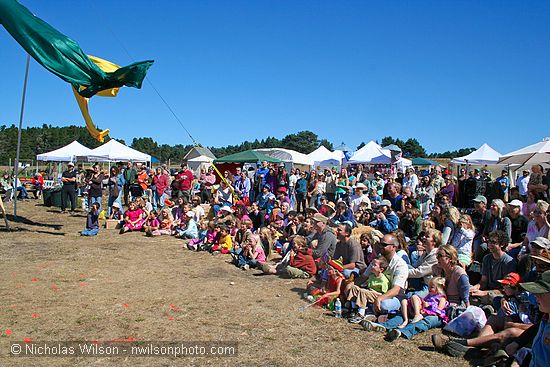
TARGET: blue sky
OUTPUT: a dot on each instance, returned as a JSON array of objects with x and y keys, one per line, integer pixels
[{"x": 451, "y": 74}]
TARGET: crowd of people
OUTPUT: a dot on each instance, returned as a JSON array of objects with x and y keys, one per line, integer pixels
[{"x": 403, "y": 254}]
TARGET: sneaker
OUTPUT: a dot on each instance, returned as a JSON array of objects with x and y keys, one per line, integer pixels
[
  {"x": 393, "y": 335},
  {"x": 356, "y": 319},
  {"x": 439, "y": 341},
  {"x": 245, "y": 267},
  {"x": 372, "y": 326},
  {"x": 370, "y": 317},
  {"x": 456, "y": 349}
]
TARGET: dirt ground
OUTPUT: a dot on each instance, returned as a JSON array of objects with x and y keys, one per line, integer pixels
[{"x": 58, "y": 286}]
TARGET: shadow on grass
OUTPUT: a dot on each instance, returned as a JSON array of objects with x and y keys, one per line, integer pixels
[
  {"x": 18, "y": 229},
  {"x": 29, "y": 222}
]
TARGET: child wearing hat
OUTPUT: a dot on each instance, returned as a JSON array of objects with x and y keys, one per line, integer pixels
[
  {"x": 92, "y": 221},
  {"x": 190, "y": 229},
  {"x": 327, "y": 291},
  {"x": 116, "y": 213}
]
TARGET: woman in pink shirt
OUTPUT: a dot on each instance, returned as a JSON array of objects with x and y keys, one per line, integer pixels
[{"x": 160, "y": 183}]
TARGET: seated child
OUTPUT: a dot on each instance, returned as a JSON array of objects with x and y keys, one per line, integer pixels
[
  {"x": 116, "y": 213},
  {"x": 92, "y": 221},
  {"x": 134, "y": 218},
  {"x": 365, "y": 290},
  {"x": 243, "y": 235},
  {"x": 165, "y": 223},
  {"x": 151, "y": 223},
  {"x": 300, "y": 264},
  {"x": 324, "y": 292},
  {"x": 225, "y": 243},
  {"x": 188, "y": 227},
  {"x": 433, "y": 304},
  {"x": 212, "y": 237},
  {"x": 194, "y": 243},
  {"x": 252, "y": 254}
]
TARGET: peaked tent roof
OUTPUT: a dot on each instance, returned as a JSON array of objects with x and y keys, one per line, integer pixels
[
  {"x": 248, "y": 156},
  {"x": 532, "y": 154},
  {"x": 113, "y": 151},
  {"x": 323, "y": 155},
  {"x": 371, "y": 151},
  {"x": 198, "y": 151},
  {"x": 483, "y": 155},
  {"x": 287, "y": 155},
  {"x": 68, "y": 153}
]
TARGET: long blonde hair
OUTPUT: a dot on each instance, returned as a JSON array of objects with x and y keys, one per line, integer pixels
[{"x": 439, "y": 284}]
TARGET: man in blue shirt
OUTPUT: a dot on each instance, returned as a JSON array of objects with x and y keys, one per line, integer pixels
[{"x": 504, "y": 182}]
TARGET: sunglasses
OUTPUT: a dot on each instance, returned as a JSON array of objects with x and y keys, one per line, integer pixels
[
  {"x": 441, "y": 256},
  {"x": 384, "y": 244}
]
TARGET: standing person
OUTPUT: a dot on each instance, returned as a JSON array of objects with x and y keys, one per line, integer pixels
[
  {"x": 68, "y": 191},
  {"x": 185, "y": 177},
  {"x": 330, "y": 180},
  {"x": 504, "y": 182},
  {"x": 410, "y": 179},
  {"x": 301, "y": 193},
  {"x": 425, "y": 195},
  {"x": 207, "y": 181},
  {"x": 242, "y": 187},
  {"x": 292, "y": 179},
  {"x": 96, "y": 187},
  {"x": 522, "y": 183},
  {"x": 115, "y": 185},
  {"x": 160, "y": 184},
  {"x": 130, "y": 176}
]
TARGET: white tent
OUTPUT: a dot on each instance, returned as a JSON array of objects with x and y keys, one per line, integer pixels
[
  {"x": 113, "y": 151},
  {"x": 197, "y": 163},
  {"x": 369, "y": 153},
  {"x": 68, "y": 153},
  {"x": 484, "y": 155},
  {"x": 538, "y": 153},
  {"x": 322, "y": 157},
  {"x": 287, "y": 155}
]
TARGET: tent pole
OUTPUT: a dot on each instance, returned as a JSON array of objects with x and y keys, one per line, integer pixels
[{"x": 16, "y": 173}]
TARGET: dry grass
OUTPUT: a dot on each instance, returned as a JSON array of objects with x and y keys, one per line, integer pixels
[{"x": 57, "y": 286}]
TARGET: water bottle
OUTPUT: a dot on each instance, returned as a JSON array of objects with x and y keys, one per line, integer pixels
[{"x": 338, "y": 308}]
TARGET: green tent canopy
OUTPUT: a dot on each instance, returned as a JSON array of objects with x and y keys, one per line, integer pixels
[
  {"x": 248, "y": 156},
  {"x": 423, "y": 162}
]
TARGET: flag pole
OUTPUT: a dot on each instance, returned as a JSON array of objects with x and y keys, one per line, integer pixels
[{"x": 16, "y": 173}]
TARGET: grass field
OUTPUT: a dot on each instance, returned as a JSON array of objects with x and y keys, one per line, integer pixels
[{"x": 58, "y": 286}]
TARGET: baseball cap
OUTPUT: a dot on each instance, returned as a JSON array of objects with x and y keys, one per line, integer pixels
[
  {"x": 511, "y": 279},
  {"x": 540, "y": 286},
  {"x": 480, "y": 199},
  {"x": 386, "y": 202},
  {"x": 516, "y": 202},
  {"x": 543, "y": 243},
  {"x": 318, "y": 217}
]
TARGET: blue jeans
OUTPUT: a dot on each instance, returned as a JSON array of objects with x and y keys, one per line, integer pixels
[
  {"x": 112, "y": 200},
  {"x": 347, "y": 272},
  {"x": 390, "y": 305},
  {"x": 89, "y": 232},
  {"x": 421, "y": 291},
  {"x": 96, "y": 199},
  {"x": 158, "y": 200},
  {"x": 427, "y": 323}
]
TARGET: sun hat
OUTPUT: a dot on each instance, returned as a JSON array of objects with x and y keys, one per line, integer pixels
[
  {"x": 227, "y": 208},
  {"x": 116, "y": 205},
  {"x": 361, "y": 186},
  {"x": 543, "y": 243},
  {"x": 516, "y": 202},
  {"x": 318, "y": 217},
  {"x": 540, "y": 286},
  {"x": 480, "y": 199},
  {"x": 386, "y": 202}
]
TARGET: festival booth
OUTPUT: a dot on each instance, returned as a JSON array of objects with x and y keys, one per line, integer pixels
[
  {"x": 538, "y": 153},
  {"x": 324, "y": 158},
  {"x": 242, "y": 159},
  {"x": 68, "y": 153},
  {"x": 423, "y": 162},
  {"x": 113, "y": 151},
  {"x": 484, "y": 155},
  {"x": 198, "y": 158},
  {"x": 291, "y": 158}
]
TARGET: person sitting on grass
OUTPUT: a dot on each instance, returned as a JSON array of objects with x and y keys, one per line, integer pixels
[
  {"x": 196, "y": 243},
  {"x": 134, "y": 218},
  {"x": 188, "y": 229},
  {"x": 300, "y": 263},
  {"x": 92, "y": 221},
  {"x": 326, "y": 291},
  {"x": 433, "y": 304},
  {"x": 212, "y": 237},
  {"x": 152, "y": 223},
  {"x": 251, "y": 254},
  {"x": 225, "y": 243},
  {"x": 116, "y": 213},
  {"x": 366, "y": 289},
  {"x": 165, "y": 223}
]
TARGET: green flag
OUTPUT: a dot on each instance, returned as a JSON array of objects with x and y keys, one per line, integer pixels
[{"x": 63, "y": 56}]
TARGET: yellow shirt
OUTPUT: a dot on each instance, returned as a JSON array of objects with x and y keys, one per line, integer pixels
[{"x": 226, "y": 242}]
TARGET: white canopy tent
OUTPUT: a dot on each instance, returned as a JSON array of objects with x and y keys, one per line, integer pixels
[
  {"x": 197, "y": 163},
  {"x": 68, "y": 153},
  {"x": 483, "y": 155},
  {"x": 287, "y": 155},
  {"x": 538, "y": 153},
  {"x": 113, "y": 151},
  {"x": 371, "y": 151},
  {"x": 323, "y": 157}
]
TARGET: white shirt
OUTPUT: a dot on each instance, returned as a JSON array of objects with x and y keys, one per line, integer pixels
[
  {"x": 398, "y": 272},
  {"x": 356, "y": 202},
  {"x": 522, "y": 183}
]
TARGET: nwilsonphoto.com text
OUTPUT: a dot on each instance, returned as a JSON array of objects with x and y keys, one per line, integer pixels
[{"x": 124, "y": 349}]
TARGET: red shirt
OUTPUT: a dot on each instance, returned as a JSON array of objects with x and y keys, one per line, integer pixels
[
  {"x": 186, "y": 179},
  {"x": 303, "y": 260},
  {"x": 161, "y": 183}
]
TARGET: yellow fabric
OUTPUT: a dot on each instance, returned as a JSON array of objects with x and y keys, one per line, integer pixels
[{"x": 106, "y": 66}]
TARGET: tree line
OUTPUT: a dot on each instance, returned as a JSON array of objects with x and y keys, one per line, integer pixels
[{"x": 37, "y": 140}]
